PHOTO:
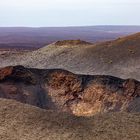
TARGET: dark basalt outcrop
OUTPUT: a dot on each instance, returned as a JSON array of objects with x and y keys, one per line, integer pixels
[{"x": 82, "y": 95}]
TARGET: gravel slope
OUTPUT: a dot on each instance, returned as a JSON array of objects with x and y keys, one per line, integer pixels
[
  {"x": 24, "y": 122},
  {"x": 120, "y": 58}
]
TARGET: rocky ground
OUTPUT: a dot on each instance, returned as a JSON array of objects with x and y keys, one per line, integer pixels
[
  {"x": 25, "y": 122},
  {"x": 88, "y": 100},
  {"x": 82, "y": 95}
]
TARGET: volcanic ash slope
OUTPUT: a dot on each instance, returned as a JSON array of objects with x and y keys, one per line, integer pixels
[
  {"x": 25, "y": 122},
  {"x": 120, "y": 58}
]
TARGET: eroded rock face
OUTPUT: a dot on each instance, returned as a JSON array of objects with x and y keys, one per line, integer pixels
[{"x": 82, "y": 95}]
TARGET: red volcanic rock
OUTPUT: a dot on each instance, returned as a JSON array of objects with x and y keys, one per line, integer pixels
[
  {"x": 82, "y": 95},
  {"x": 5, "y": 72}
]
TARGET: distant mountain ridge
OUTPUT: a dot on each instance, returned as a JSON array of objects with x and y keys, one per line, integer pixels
[{"x": 25, "y": 37}]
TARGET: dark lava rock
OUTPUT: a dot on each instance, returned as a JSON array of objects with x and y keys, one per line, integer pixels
[{"x": 82, "y": 95}]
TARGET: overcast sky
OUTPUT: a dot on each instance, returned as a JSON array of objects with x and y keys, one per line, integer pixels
[{"x": 69, "y": 12}]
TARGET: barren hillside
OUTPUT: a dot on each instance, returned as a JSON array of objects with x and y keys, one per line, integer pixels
[
  {"x": 24, "y": 122},
  {"x": 120, "y": 58},
  {"x": 73, "y": 95}
]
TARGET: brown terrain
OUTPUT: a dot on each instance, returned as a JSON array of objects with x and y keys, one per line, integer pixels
[
  {"x": 71, "y": 90},
  {"x": 116, "y": 58},
  {"x": 81, "y": 95},
  {"x": 25, "y": 122}
]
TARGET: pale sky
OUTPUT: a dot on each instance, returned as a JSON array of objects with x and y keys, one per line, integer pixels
[{"x": 39, "y": 13}]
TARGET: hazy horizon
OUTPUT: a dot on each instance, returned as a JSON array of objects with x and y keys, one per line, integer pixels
[
  {"x": 62, "y": 13},
  {"x": 68, "y": 26}
]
